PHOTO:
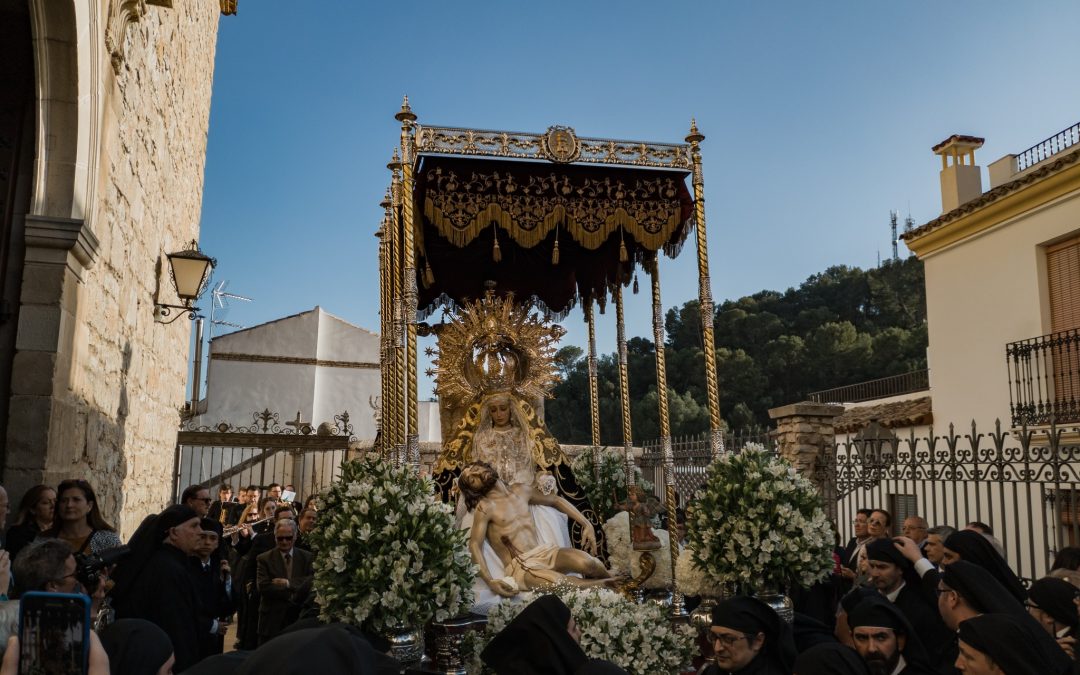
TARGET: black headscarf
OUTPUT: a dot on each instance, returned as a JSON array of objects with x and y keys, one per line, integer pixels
[
  {"x": 536, "y": 642},
  {"x": 1055, "y": 597},
  {"x": 880, "y": 613},
  {"x": 752, "y": 616},
  {"x": 980, "y": 589},
  {"x": 884, "y": 550},
  {"x": 177, "y": 514},
  {"x": 335, "y": 649},
  {"x": 1009, "y": 642},
  {"x": 808, "y": 632},
  {"x": 974, "y": 547},
  {"x": 135, "y": 647},
  {"x": 830, "y": 659},
  {"x": 852, "y": 599}
]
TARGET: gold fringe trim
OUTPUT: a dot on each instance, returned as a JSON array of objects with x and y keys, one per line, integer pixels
[{"x": 528, "y": 238}]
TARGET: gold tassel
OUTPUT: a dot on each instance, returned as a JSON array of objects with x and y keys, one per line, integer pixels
[
  {"x": 496, "y": 254},
  {"x": 635, "y": 285},
  {"x": 555, "y": 250},
  {"x": 623, "y": 255},
  {"x": 429, "y": 275}
]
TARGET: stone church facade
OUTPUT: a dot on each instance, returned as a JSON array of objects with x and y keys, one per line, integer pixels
[{"x": 104, "y": 112}]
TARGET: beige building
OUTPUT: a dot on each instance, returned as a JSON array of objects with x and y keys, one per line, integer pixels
[
  {"x": 1003, "y": 310},
  {"x": 1003, "y": 284},
  {"x": 103, "y": 122}
]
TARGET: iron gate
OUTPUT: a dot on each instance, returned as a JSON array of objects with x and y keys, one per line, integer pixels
[{"x": 263, "y": 452}]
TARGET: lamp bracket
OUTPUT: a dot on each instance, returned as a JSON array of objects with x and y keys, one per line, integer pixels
[{"x": 162, "y": 312}]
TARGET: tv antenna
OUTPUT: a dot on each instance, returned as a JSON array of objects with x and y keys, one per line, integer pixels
[{"x": 220, "y": 301}]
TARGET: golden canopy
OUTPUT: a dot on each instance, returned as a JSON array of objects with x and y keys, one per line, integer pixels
[{"x": 548, "y": 231}]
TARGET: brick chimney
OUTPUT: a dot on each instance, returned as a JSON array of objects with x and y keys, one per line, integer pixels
[{"x": 961, "y": 179}]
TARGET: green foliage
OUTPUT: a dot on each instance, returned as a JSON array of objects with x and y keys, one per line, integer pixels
[
  {"x": 842, "y": 326},
  {"x": 606, "y": 486}
]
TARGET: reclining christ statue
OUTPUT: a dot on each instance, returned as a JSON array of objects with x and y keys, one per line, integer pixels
[
  {"x": 502, "y": 518},
  {"x": 495, "y": 361}
]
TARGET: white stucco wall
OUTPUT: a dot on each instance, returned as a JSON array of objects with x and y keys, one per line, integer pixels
[
  {"x": 982, "y": 293},
  {"x": 236, "y": 389}
]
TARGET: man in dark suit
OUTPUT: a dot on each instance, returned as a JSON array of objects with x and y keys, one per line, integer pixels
[
  {"x": 213, "y": 583},
  {"x": 281, "y": 571},
  {"x": 893, "y": 576}
]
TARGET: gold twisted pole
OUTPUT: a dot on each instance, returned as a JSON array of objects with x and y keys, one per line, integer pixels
[
  {"x": 385, "y": 328},
  {"x": 398, "y": 312},
  {"x": 624, "y": 387},
  {"x": 408, "y": 160},
  {"x": 712, "y": 387},
  {"x": 594, "y": 390},
  {"x": 677, "y": 609}
]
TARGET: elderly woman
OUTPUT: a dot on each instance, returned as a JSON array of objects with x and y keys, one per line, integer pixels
[
  {"x": 35, "y": 516},
  {"x": 78, "y": 520}
]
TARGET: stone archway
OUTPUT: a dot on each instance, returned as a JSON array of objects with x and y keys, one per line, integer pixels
[
  {"x": 50, "y": 242},
  {"x": 18, "y": 138}
]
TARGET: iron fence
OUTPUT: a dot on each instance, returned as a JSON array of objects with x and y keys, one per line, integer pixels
[
  {"x": 1048, "y": 148},
  {"x": 1025, "y": 485},
  {"x": 894, "y": 385},
  {"x": 1044, "y": 379},
  {"x": 692, "y": 456}
]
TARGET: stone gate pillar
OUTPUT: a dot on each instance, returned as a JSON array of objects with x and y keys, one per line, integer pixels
[{"x": 805, "y": 435}]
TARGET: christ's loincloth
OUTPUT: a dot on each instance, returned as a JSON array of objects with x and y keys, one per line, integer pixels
[{"x": 538, "y": 562}]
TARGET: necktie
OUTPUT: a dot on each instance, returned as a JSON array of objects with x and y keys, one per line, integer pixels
[{"x": 288, "y": 565}]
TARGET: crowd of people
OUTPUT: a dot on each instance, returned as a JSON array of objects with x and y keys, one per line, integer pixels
[
  {"x": 934, "y": 600},
  {"x": 163, "y": 601}
]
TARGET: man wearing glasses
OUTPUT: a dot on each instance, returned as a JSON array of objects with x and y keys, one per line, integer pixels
[
  {"x": 198, "y": 499},
  {"x": 749, "y": 638},
  {"x": 915, "y": 528},
  {"x": 281, "y": 572}
]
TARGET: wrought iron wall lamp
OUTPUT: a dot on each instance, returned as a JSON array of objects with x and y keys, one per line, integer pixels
[{"x": 190, "y": 271}]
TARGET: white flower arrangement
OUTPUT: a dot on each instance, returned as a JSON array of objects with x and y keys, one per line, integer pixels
[
  {"x": 622, "y": 559},
  {"x": 758, "y": 521},
  {"x": 389, "y": 552},
  {"x": 692, "y": 579},
  {"x": 638, "y": 638}
]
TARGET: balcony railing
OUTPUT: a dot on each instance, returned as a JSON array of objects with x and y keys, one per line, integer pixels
[
  {"x": 1048, "y": 148},
  {"x": 895, "y": 385},
  {"x": 1044, "y": 379}
]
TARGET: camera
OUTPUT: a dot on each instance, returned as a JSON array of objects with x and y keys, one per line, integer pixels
[{"x": 88, "y": 566}]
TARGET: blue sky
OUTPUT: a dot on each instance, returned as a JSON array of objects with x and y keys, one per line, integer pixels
[{"x": 819, "y": 119}]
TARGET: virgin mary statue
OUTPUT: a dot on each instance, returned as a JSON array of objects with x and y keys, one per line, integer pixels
[{"x": 492, "y": 358}]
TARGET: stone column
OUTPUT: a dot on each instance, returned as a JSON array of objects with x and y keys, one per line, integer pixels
[
  {"x": 43, "y": 421},
  {"x": 804, "y": 432}
]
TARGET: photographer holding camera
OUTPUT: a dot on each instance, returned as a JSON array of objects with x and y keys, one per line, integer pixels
[{"x": 49, "y": 565}]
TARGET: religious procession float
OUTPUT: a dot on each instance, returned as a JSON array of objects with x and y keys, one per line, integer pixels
[{"x": 498, "y": 236}]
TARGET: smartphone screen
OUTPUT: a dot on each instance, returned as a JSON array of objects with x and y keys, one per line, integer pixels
[
  {"x": 54, "y": 634},
  {"x": 288, "y": 496}
]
